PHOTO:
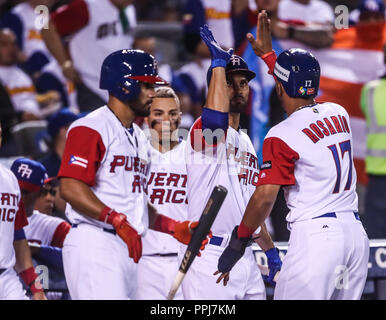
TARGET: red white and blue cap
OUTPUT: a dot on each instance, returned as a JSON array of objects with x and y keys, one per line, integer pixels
[{"x": 29, "y": 173}]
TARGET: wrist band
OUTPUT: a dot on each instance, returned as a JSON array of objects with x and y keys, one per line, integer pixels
[
  {"x": 105, "y": 214},
  {"x": 218, "y": 63},
  {"x": 29, "y": 277},
  {"x": 164, "y": 224},
  {"x": 270, "y": 60}
]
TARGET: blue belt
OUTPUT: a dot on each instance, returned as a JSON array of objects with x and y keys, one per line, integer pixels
[
  {"x": 1, "y": 271},
  {"x": 112, "y": 231},
  {"x": 333, "y": 215},
  {"x": 216, "y": 241}
]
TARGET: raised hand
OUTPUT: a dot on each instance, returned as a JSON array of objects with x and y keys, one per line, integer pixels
[
  {"x": 263, "y": 42},
  {"x": 220, "y": 57}
]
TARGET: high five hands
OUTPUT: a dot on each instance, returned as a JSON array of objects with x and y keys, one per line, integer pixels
[{"x": 263, "y": 42}]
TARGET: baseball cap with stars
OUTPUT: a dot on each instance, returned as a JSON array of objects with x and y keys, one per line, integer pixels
[{"x": 29, "y": 173}]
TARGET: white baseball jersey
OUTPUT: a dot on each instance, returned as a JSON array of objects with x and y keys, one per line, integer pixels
[
  {"x": 310, "y": 154},
  {"x": 46, "y": 230},
  {"x": 102, "y": 35},
  {"x": 12, "y": 216},
  {"x": 218, "y": 16},
  {"x": 20, "y": 89},
  {"x": 113, "y": 161},
  {"x": 315, "y": 11},
  {"x": 232, "y": 164},
  {"x": 167, "y": 192},
  {"x": 32, "y": 24}
]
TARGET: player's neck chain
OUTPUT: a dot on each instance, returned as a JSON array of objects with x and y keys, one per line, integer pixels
[{"x": 306, "y": 106}]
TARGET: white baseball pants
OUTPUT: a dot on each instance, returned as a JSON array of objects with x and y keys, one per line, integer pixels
[
  {"x": 245, "y": 281},
  {"x": 326, "y": 260},
  {"x": 97, "y": 265},
  {"x": 155, "y": 277}
]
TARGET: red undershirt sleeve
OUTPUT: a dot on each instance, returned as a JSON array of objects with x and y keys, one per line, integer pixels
[
  {"x": 82, "y": 155},
  {"x": 21, "y": 217},
  {"x": 71, "y": 17},
  {"x": 278, "y": 163},
  {"x": 60, "y": 234}
]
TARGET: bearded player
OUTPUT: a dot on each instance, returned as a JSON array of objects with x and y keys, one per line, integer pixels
[
  {"x": 310, "y": 155},
  {"x": 166, "y": 190},
  {"x": 218, "y": 152},
  {"x": 104, "y": 171}
]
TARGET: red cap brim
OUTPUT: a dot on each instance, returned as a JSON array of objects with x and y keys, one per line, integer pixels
[{"x": 150, "y": 79}]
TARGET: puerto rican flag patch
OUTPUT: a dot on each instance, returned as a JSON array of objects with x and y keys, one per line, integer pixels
[{"x": 78, "y": 161}]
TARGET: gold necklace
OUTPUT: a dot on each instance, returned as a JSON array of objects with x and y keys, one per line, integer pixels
[{"x": 306, "y": 106}]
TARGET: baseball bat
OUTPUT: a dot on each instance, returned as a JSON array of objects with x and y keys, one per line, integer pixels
[{"x": 210, "y": 212}]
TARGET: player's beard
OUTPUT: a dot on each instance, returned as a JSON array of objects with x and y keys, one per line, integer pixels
[
  {"x": 237, "y": 104},
  {"x": 141, "y": 109}
]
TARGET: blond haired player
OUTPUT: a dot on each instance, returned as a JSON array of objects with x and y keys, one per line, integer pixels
[
  {"x": 218, "y": 152},
  {"x": 310, "y": 155},
  {"x": 166, "y": 191}
]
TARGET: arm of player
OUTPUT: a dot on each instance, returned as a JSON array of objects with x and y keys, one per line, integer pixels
[
  {"x": 25, "y": 269},
  {"x": 262, "y": 45},
  {"x": 182, "y": 231},
  {"x": 83, "y": 200},
  {"x": 258, "y": 209},
  {"x": 214, "y": 117},
  {"x": 265, "y": 242}
]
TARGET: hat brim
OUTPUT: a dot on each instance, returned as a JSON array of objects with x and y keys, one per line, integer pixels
[
  {"x": 246, "y": 72},
  {"x": 150, "y": 79}
]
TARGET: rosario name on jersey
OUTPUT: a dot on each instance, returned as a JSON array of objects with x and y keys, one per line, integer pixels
[
  {"x": 310, "y": 154},
  {"x": 113, "y": 161},
  {"x": 167, "y": 192},
  {"x": 12, "y": 216},
  {"x": 232, "y": 163}
]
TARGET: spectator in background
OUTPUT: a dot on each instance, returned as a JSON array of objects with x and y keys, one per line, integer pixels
[
  {"x": 193, "y": 74},
  {"x": 149, "y": 45},
  {"x": 367, "y": 11},
  {"x": 57, "y": 131},
  {"x": 35, "y": 58},
  {"x": 308, "y": 21},
  {"x": 218, "y": 16},
  {"x": 17, "y": 83},
  {"x": 49, "y": 201},
  {"x": 373, "y": 102},
  {"x": 97, "y": 28}
]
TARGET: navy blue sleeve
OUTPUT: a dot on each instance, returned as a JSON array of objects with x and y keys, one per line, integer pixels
[
  {"x": 213, "y": 119},
  {"x": 19, "y": 235},
  {"x": 13, "y": 22},
  {"x": 51, "y": 256}
]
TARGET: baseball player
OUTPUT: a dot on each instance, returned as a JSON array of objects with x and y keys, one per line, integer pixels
[
  {"x": 104, "y": 172},
  {"x": 219, "y": 152},
  {"x": 45, "y": 234},
  {"x": 15, "y": 255},
  {"x": 166, "y": 192},
  {"x": 310, "y": 155}
]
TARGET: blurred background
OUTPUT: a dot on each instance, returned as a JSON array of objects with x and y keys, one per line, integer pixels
[{"x": 51, "y": 53}]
